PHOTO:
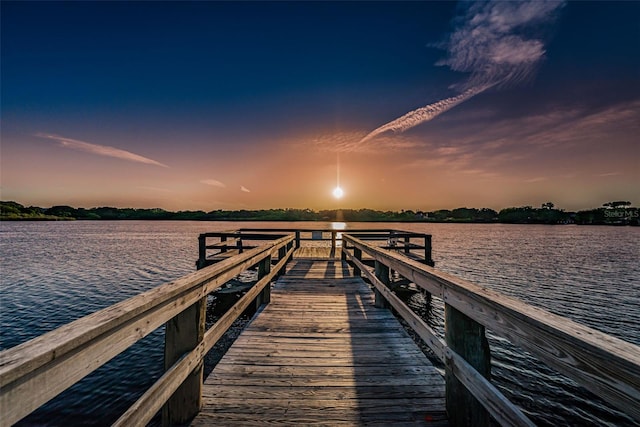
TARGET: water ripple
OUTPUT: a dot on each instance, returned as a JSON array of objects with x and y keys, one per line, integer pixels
[{"x": 53, "y": 273}]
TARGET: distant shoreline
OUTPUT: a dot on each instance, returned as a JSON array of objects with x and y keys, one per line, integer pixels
[{"x": 613, "y": 213}]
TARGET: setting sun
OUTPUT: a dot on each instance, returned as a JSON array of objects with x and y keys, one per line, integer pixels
[{"x": 338, "y": 193}]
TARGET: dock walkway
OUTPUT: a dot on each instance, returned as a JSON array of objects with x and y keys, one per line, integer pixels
[{"x": 321, "y": 353}]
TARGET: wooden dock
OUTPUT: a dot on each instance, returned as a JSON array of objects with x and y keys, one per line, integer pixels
[
  {"x": 323, "y": 349},
  {"x": 321, "y": 353}
]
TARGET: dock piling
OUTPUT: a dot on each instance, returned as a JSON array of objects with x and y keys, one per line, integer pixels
[{"x": 467, "y": 338}]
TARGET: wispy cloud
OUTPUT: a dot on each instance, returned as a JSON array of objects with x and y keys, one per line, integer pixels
[
  {"x": 609, "y": 174},
  {"x": 158, "y": 189},
  {"x": 536, "y": 179},
  {"x": 213, "y": 183},
  {"x": 424, "y": 114},
  {"x": 100, "y": 150},
  {"x": 487, "y": 46},
  {"x": 244, "y": 189},
  {"x": 519, "y": 145},
  {"x": 344, "y": 142}
]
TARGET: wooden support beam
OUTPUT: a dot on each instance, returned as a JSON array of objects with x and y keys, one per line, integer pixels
[
  {"x": 466, "y": 338},
  {"x": 428, "y": 259},
  {"x": 382, "y": 273},
  {"x": 264, "y": 268},
  {"x": 357, "y": 253},
  {"x": 282, "y": 253},
  {"x": 183, "y": 334},
  {"x": 202, "y": 251}
]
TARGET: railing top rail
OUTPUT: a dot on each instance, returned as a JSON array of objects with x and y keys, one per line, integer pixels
[
  {"x": 608, "y": 366},
  {"x": 34, "y": 372}
]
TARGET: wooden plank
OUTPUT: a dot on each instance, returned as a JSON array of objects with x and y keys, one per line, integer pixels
[
  {"x": 466, "y": 338},
  {"x": 341, "y": 362},
  {"x": 184, "y": 333},
  {"x": 147, "y": 405},
  {"x": 502, "y": 410},
  {"x": 145, "y": 408},
  {"x": 34, "y": 372},
  {"x": 607, "y": 366}
]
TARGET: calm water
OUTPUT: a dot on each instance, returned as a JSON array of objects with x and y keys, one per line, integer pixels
[{"x": 54, "y": 272}]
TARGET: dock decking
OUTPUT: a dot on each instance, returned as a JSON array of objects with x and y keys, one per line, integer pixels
[{"x": 321, "y": 353}]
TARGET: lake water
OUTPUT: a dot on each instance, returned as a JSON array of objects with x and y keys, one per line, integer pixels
[{"x": 54, "y": 272}]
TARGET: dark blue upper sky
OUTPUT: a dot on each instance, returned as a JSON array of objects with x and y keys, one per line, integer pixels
[{"x": 221, "y": 74}]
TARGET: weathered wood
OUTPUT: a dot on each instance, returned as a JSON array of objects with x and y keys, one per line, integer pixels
[
  {"x": 317, "y": 253},
  {"x": 603, "y": 364},
  {"x": 500, "y": 408},
  {"x": 357, "y": 253},
  {"x": 264, "y": 268},
  {"x": 36, "y": 371},
  {"x": 202, "y": 252},
  {"x": 466, "y": 338},
  {"x": 366, "y": 369},
  {"x": 428, "y": 257},
  {"x": 184, "y": 333},
  {"x": 145, "y": 408},
  {"x": 424, "y": 331},
  {"x": 282, "y": 253},
  {"x": 382, "y": 274}
]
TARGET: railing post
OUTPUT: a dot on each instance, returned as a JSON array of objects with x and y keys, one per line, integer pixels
[
  {"x": 297, "y": 239},
  {"x": 427, "y": 251},
  {"x": 467, "y": 338},
  {"x": 357, "y": 253},
  {"x": 202, "y": 252},
  {"x": 239, "y": 245},
  {"x": 282, "y": 252},
  {"x": 289, "y": 247},
  {"x": 407, "y": 240},
  {"x": 264, "y": 268},
  {"x": 333, "y": 241},
  {"x": 223, "y": 239},
  {"x": 183, "y": 333},
  {"x": 382, "y": 273}
]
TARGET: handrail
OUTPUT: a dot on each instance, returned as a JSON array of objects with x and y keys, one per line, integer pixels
[
  {"x": 34, "y": 372},
  {"x": 607, "y": 366}
]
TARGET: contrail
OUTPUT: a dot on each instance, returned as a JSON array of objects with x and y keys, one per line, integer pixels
[
  {"x": 486, "y": 46},
  {"x": 424, "y": 114},
  {"x": 100, "y": 150}
]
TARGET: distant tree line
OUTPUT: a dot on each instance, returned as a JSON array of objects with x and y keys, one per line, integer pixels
[{"x": 619, "y": 212}]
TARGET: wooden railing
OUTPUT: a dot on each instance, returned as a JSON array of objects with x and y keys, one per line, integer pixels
[
  {"x": 607, "y": 366},
  {"x": 36, "y": 371},
  {"x": 213, "y": 247}
]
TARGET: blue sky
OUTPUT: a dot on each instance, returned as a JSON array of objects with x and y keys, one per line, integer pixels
[{"x": 262, "y": 99}]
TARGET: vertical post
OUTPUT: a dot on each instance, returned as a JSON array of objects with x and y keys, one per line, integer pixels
[
  {"x": 223, "y": 239},
  {"x": 427, "y": 251},
  {"x": 239, "y": 245},
  {"x": 343, "y": 252},
  {"x": 202, "y": 252},
  {"x": 282, "y": 252},
  {"x": 467, "y": 338},
  {"x": 407, "y": 240},
  {"x": 289, "y": 247},
  {"x": 264, "y": 268},
  {"x": 357, "y": 253},
  {"x": 382, "y": 273},
  {"x": 297, "y": 239},
  {"x": 183, "y": 333},
  {"x": 333, "y": 241}
]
